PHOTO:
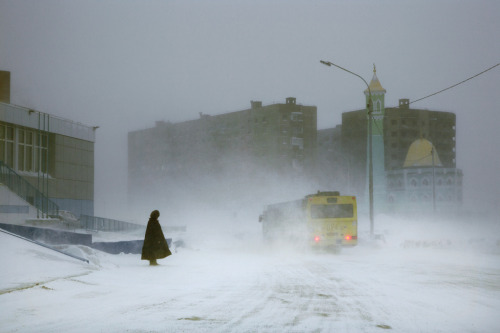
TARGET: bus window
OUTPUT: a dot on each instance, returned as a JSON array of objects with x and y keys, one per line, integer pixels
[{"x": 331, "y": 211}]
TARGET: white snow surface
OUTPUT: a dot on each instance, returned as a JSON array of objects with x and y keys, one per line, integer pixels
[{"x": 429, "y": 276}]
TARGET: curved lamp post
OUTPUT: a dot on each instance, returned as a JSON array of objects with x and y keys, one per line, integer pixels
[{"x": 369, "y": 107}]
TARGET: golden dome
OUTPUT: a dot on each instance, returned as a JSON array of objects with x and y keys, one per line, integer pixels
[{"x": 419, "y": 155}]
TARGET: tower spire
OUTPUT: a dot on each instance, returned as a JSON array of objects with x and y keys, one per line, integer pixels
[{"x": 375, "y": 86}]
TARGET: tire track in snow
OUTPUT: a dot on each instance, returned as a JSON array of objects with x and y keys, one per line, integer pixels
[{"x": 299, "y": 296}]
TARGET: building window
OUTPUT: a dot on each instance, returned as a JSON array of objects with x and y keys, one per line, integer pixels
[
  {"x": 7, "y": 145},
  {"x": 20, "y": 150},
  {"x": 297, "y": 130},
  {"x": 28, "y": 149},
  {"x": 378, "y": 107},
  {"x": 40, "y": 152},
  {"x": 296, "y": 116},
  {"x": 299, "y": 142}
]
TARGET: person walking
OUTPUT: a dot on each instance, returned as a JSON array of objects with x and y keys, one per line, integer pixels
[{"x": 155, "y": 245}]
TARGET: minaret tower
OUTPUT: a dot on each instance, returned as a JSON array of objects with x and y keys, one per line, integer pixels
[{"x": 379, "y": 178}]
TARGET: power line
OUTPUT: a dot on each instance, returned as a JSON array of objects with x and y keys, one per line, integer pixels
[{"x": 456, "y": 84}]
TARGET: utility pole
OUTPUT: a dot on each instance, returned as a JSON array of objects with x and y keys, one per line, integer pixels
[{"x": 433, "y": 182}]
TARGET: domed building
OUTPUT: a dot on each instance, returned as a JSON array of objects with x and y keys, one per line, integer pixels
[{"x": 423, "y": 184}]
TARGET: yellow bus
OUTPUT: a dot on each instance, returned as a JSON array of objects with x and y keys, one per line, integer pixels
[{"x": 321, "y": 220}]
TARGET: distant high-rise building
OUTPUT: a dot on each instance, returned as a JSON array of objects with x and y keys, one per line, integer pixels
[
  {"x": 333, "y": 166},
  {"x": 227, "y": 148},
  {"x": 405, "y": 125}
]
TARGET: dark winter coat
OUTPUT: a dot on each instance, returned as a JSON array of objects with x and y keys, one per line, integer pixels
[{"x": 155, "y": 245}]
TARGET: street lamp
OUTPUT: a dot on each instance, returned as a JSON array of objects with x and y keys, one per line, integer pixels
[{"x": 369, "y": 107}]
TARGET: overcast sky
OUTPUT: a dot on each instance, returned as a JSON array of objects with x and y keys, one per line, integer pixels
[{"x": 123, "y": 64}]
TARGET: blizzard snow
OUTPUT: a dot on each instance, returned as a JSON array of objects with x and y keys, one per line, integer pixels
[{"x": 423, "y": 277}]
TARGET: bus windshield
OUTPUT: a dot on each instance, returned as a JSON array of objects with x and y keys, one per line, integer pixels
[{"x": 331, "y": 211}]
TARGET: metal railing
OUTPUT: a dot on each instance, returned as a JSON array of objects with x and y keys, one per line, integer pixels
[
  {"x": 104, "y": 224},
  {"x": 26, "y": 191}
]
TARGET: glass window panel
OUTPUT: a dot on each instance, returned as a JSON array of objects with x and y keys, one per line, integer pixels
[
  {"x": 36, "y": 162},
  {"x": 29, "y": 137},
  {"x": 44, "y": 161},
  {"x": 2, "y": 150},
  {"x": 29, "y": 158},
  {"x": 2, "y": 132},
  {"x": 20, "y": 136},
  {"x": 20, "y": 158},
  {"x": 10, "y": 134},
  {"x": 9, "y": 158},
  {"x": 38, "y": 139}
]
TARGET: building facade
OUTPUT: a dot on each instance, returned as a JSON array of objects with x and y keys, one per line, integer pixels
[
  {"x": 54, "y": 155},
  {"x": 226, "y": 148}
]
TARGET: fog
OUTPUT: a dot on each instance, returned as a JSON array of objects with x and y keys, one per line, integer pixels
[{"x": 122, "y": 65}]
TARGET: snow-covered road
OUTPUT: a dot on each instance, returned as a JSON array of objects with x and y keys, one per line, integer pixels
[{"x": 409, "y": 283}]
